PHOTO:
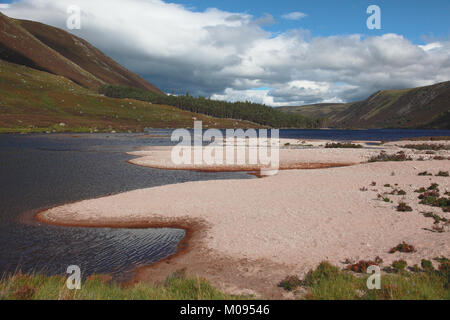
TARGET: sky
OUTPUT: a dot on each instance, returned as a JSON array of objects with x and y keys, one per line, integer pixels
[{"x": 274, "y": 52}]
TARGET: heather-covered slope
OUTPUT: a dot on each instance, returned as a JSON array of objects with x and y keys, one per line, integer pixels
[
  {"x": 86, "y": 56},
  {"x": 37, "y": 101},
  {"x": 423, "y": 107},
  {"x": 56, "y": 51},
  {"x": 17, "y": 45}
]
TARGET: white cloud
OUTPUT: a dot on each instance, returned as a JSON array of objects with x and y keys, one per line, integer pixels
[
  {"x": 296, "y": 15},
  {"x": 227, "y": 54},
  {"x": 431, "y": 46},
  {"x": 4, "y": 6}
]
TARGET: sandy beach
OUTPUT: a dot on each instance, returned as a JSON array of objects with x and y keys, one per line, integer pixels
[{"x": 246, "y": 235}]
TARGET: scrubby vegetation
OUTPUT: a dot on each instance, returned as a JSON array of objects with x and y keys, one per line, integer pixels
[
  {"x": 291, "y": 283},
  {"x": 437, "y": 218},
  {"x": 41, "y": 287},
  {"x": 403, "y": 247},
  {"x": 361, "y": 266},
  {"x": 425, "y": 173},
  {"x": 384, "y": 198},
  {"x": 383, "y": 156},
  {"x": 249, "y": 111},
  {"x": 427, "y": 146},
  {"x": 442, "y": 174},
  {"x": 404, "y": 207},
  {"x": 328, "y": 282},
  {"x": 399, "y": 265},
  {"x": 398, "y": 192},
  {"x": 339, "y": 145},
  {"x": 432, "y": 197}
]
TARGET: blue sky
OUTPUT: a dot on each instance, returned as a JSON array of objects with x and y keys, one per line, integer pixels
[
  {"x": 415, "y": 19},
  {"x": 249, "y": 50}
]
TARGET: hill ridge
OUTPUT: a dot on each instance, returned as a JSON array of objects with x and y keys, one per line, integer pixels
[
  {"x": 420, "y": 107},
  {"x": 46, "y": 48}
]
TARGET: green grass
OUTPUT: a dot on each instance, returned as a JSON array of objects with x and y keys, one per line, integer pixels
[
  {"x": 328, "y": 282},
  {"x": 41, "y": 287},
  {"x": 387, "y": 99},
  {"x": 36, "y": 101}
]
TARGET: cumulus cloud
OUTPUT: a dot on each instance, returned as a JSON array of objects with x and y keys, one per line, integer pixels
[
  {"x": 296, "y": 15},
  {"x": 227, "y": 54}
]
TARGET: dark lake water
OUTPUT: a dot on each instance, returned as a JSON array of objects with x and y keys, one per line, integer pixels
[
  {"x": 41, "y": 171},
  {"x": 369, "y": 135}
]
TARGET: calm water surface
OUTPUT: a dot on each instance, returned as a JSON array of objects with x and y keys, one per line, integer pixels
[{"x": 41, "y": 171}]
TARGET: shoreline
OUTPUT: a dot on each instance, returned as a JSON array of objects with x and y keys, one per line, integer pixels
[{"x": 247, "y": 244}]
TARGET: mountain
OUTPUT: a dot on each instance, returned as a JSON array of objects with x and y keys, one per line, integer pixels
[
  {"x": 50, "y": 81},
  {"x": 423, "y": 107},
  {"x": 37, "y": 101},
  {"x": 56, "y": 51}
]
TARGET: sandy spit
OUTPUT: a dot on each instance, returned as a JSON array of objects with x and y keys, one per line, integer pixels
[{"x": 247, "y": 235}]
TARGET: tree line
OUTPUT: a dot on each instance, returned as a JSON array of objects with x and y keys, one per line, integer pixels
[{"x": 254, "y": 112}]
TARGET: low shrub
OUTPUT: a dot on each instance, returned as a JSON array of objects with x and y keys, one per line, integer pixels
[
  {"x": 403, "y": 247},
  {"x": 436, "y": 217},
  {"x": 403, "y": 207},
  {"x": 383, "y": 156},
  {"x": 343, "y": 146},
  {"x": 291, "y": 283},
  {"x": 361, "y": 266},
  {"x": 443, "y": 174},
  {"x": 399, "y": 265},
  {"x": 433, "y": 198},
  {"x": 427, "y": 265}
]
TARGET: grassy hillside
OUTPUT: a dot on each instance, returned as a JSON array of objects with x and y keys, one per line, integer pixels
[
  {"x": 56, "y": 51},
  {"x": 17, "y": 45},
  {"x": 424, "y": 107},
  {"x": 86, "y": 56},
  {"x": 317, "y": 111},
  {"x": 37, "y": 101}
]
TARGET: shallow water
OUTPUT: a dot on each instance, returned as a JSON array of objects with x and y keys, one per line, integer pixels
[{"x": 41, "y": 171}]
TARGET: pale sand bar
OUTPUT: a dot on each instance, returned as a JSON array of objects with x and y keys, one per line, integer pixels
[{"x": 247, "y": 235}]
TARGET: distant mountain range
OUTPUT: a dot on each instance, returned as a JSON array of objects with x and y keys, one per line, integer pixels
[
  {"x": 56, "y": 51},
  {"x": 424, "y": 107}
]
